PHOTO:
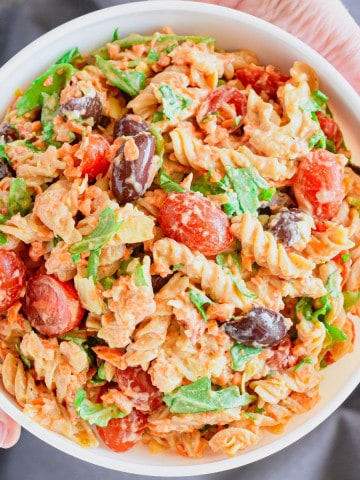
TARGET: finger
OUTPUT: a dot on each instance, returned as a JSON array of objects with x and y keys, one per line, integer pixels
[{"x": 9, "y": 431}]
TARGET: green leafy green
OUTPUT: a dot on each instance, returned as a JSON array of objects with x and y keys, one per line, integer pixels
[
  {"x": 52, "y": 81},
  {"x": 335, "y": 334},
  {"x": 131, "y": 40},
  {"x": 316, "y": 102},
  {"x": 115, "y": 34},
  {"x": 3, "y": 238},
  {"x": 350, "y": 299},
  {"x": 93, "y": 263},
  {"x": 95, "y": 413},
  {"x": 26, "y": 361},
  {"x": 160, "y": 143},
  {"x": 228, "y": 261},
  {"x": 68, "y": 56},
  {"x": 177, "y": 267},
  {"x": 241, "y": 354},
  {"x": 199, "y": 299},
  {"x": 138, "y": 276},
  {"x": 152, "y": 56},
  {"x": 48, "y": 112},
  {"x": 129, "y": 81},
  {"x": 345, "y": 257},
  {"x": 172, "y": 103},
  {"x": 169, "y": 185},
  {"x": 107, "y": 282},
  {"x": 199, "y": 397},
  {"x": 303, "y": 361},
  {"x": 19, "y": 198},
  {"x": 108, "y": 225},
  {"x": 3, "y": 154}
]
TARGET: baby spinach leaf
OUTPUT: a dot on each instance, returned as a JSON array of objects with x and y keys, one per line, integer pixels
[
  {"x": 95, "y": 413},
  {"x": 108, "y": 225},
  {"x": 129, "y": 81},
  {"x": 199, "y": 397},
  {"x": 199, "y": 299},
  {"x": 241, "y": 354},
  {"x": 59, "y": 74},
  {"x": 172, "y": 103},
  {"x": 169, "y": 185}
]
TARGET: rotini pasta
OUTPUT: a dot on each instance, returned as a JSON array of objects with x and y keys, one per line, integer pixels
[{"x": 179, "y": 246}]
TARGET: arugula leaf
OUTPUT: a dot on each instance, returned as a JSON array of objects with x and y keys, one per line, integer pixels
[
  {"x": 19, "y": 198},
  {"x": 59, "y": 74},
  {"x": 95, "y": 413},
  {"x": 68, "y": 56},
  {"x": 102, "y": 234},
  {"x": 129, "y": 81},
  {"x": 3, "y": 154},
  {"x": 350, "y": 299},
  {"x": 172, "y": 103},
  {"x": 199, "y": 299},
  {"x": 169, "y": 185},
  {"x": 199, "y": 397},
  {"x": 316, "y": 102},
  {"x": 241, "y": 354}
]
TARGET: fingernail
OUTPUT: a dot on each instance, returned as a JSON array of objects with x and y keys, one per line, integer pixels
[{"x": 3, "y": 432}]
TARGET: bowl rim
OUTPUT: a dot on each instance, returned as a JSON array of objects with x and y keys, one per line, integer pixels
[{"x": 349, "y": 96}]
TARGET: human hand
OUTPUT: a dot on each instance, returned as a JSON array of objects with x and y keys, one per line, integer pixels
[
  {"x": 325, "y": 25},
  {"x": 9, "y": 431}
]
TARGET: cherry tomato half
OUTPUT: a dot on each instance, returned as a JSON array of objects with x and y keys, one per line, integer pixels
[
  {"x": 219, "y": 96},
  {"x": 262, "y": 80},
  {"x": 95, "y": 159},
  {"x": 12, "y": 279},
  {"x": 319, "y": 184},
  {"x": 197, "y": 222},
  {"x": 121, "y": 434},
  {"x": 52, "y": 307},
  {"x": 136, "y": 384}
]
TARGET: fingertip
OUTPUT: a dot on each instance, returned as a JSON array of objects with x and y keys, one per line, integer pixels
[{"x": 9, "y": 431}]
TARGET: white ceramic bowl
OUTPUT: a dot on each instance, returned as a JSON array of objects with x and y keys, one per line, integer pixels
[{"x": 233, "y": 29}]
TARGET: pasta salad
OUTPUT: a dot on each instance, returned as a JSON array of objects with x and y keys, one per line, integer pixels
[{"x": 179, "y": 234}]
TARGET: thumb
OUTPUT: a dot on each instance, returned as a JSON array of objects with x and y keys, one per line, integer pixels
[{"x": 9, "y": 431}]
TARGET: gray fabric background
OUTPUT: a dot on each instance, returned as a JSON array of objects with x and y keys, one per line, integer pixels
[{"x": 330, "y": 452}]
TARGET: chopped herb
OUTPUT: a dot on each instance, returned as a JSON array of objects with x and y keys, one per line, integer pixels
[
  {"x": 3, "y": 238},
  {"x": 26, "y": 361},
  {"x": 95, "y": 413},
  {"x": 199, "y": 397},
  {"x": 241, "y": 354},
  {"x": 93, "y": 263},
  {"x": 129, "y": 81},
  {"x": 177, "y": 267},
  {"x": 223, "y": 260},
  {"x": 169, "y": 185},
  {"x": 316, "y": 102},
  {"x": 152, "y": 56},
  {"x": 350, "y": 299},
  {"x": 3, "y": 154},
  {"x": 259, "y": 410},
  {"x": 131, "y": 40},
  {"x": 69, "y": 56},
  {"x": 157, "y": 117},
  {"x": 335, "y": 334},
  {"x": 48, "y": 112},
  {"x": 160, "y": 143},
  {"x": 138, "y": 276},
  {"x": 345, "y": 257},
  {"x": 250, "y": 415},
  {"x": 199, "y": 299},
  {"x": 303, "y": 361},
  {"x": 172, "y": 103},
  {"x": 124, "y": 266},
  {"x": 115, "y": 34},
  {"x": 107, "y": 282}
]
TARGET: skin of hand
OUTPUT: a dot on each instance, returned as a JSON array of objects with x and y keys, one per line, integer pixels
[
  {"x": 9, "y": 431},
  {"x": 325, "y": 25}
]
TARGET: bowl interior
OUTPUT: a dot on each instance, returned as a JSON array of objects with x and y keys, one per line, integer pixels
[{"x": 233, "y": 30}]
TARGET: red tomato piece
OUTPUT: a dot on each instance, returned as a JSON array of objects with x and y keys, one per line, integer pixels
[
  {"x": 331, "y": 129},
  {"x": 121, "y": 434},
  {"x": 137, "y": 385},
  {"x": 197, "y": 222},
  {"x": 52, "y": 307},
  {"x": 264, "y": 80},
  {"x": 95, "y": 159},
  {"x": 219, "y": 96},
  {"x": 319, "y": 184},
  {"x": 12, "y": 279}
]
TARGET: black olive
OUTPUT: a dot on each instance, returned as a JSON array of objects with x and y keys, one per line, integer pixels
[
  {"x": 284, "y": 226},
  {"x": 129, "y": 126},
  {"x": 8, "y": 133},
  {"x": 158, "y": 282},
  {"x": 5, "y": 170},
  {"x": 260, "y": 327},
  {"x": 87, "y": 106}
]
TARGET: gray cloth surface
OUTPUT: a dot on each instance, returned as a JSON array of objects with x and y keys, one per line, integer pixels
[{"x": 330, "y": 452}]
